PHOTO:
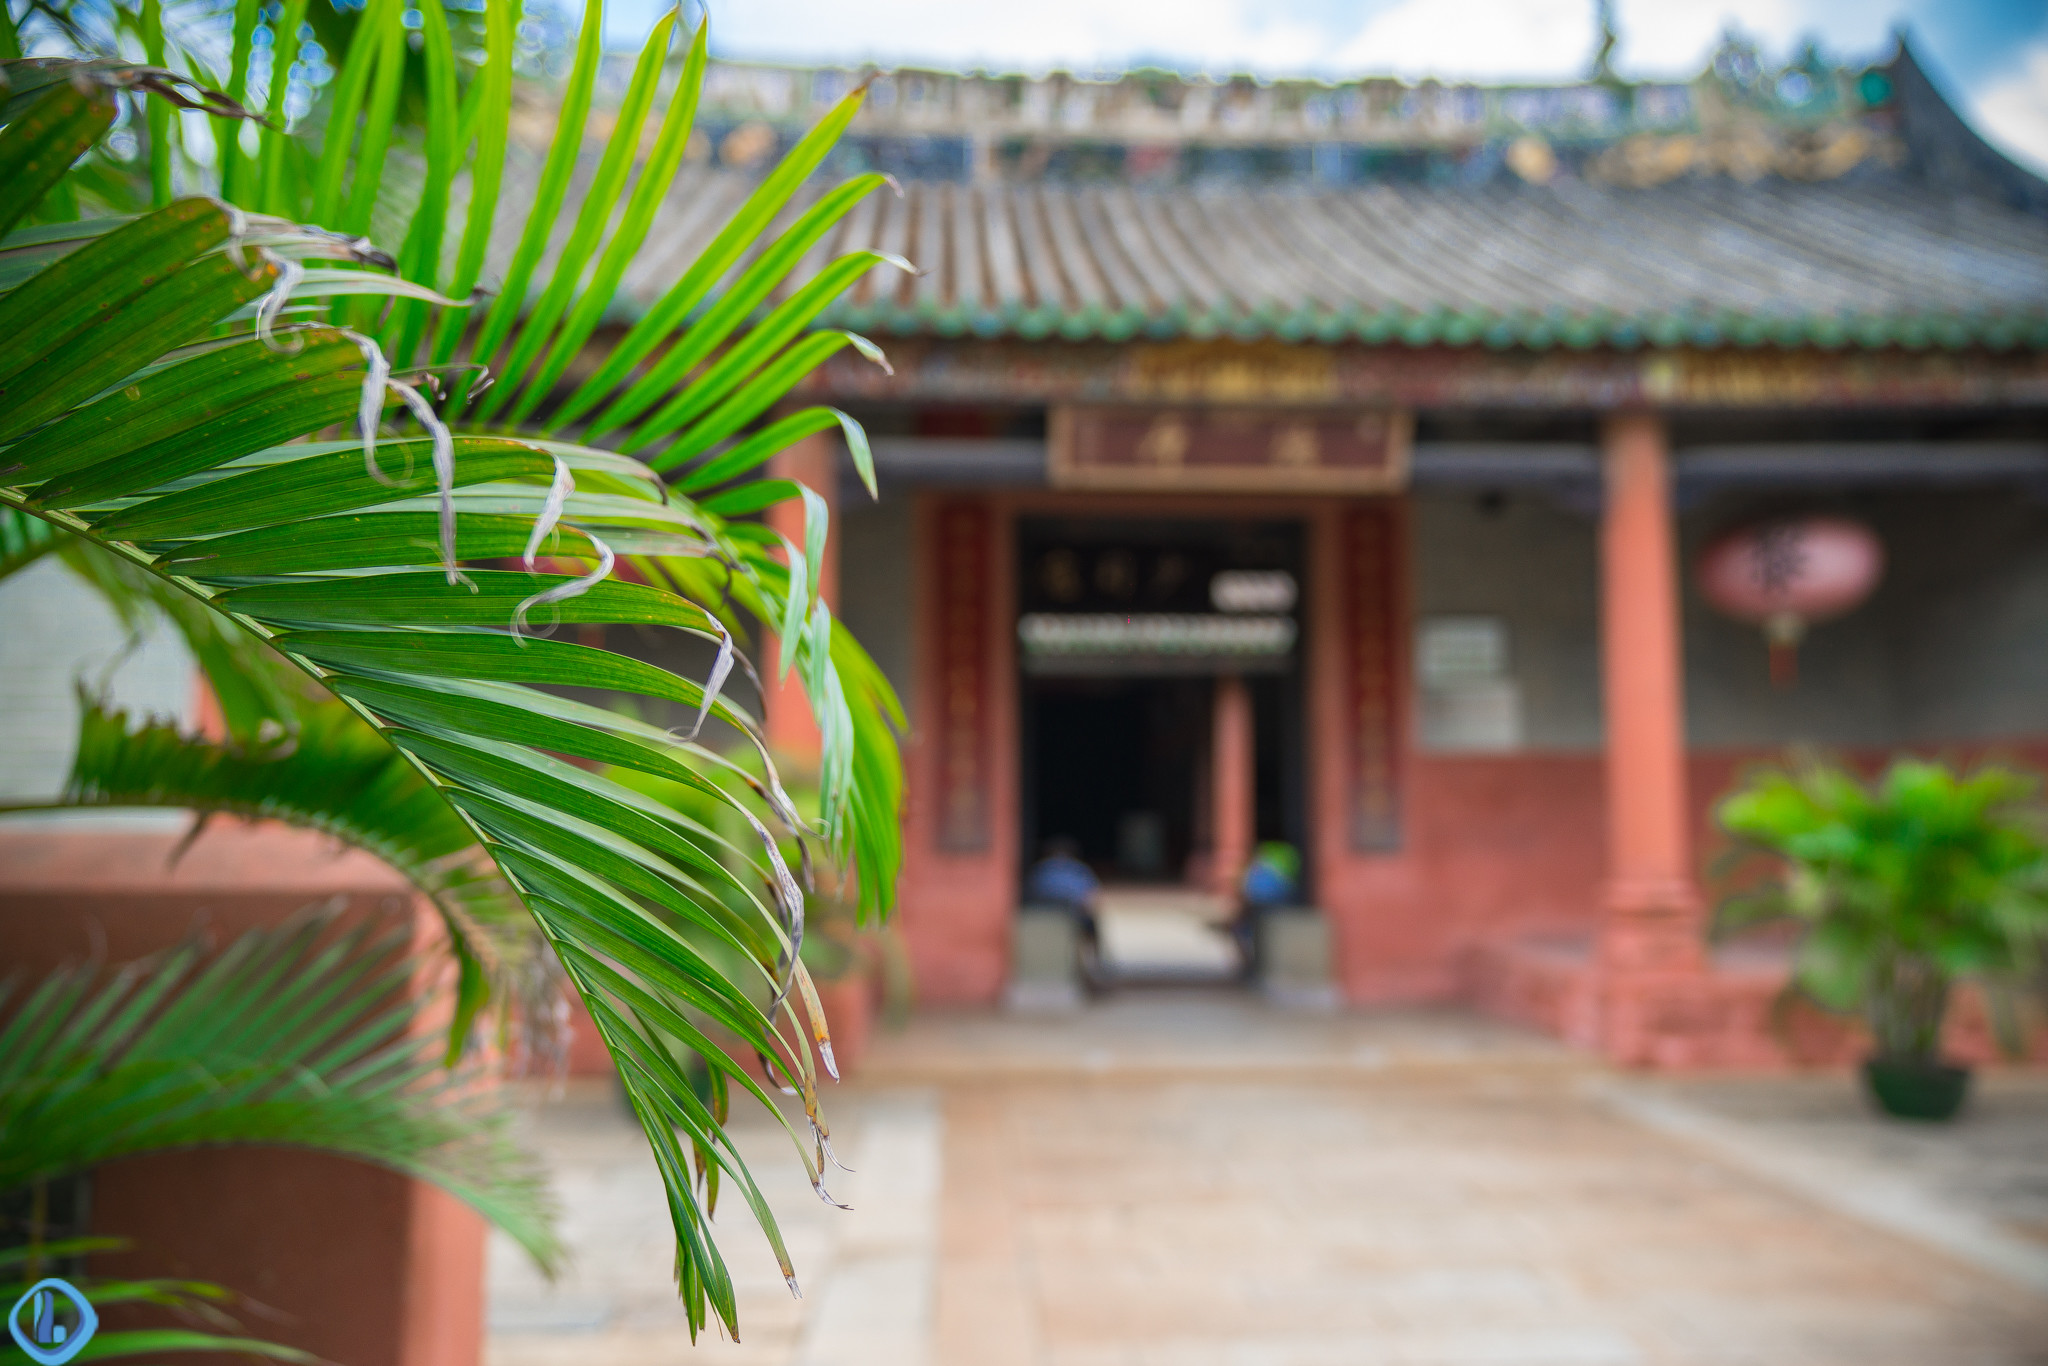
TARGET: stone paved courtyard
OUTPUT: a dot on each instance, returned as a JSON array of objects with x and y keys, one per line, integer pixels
[{"x": 1196, "y": 1181}]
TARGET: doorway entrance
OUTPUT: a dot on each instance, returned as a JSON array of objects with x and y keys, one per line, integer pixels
[
  {"x": 1119, "y": 766},
  {"x": 1145, "y": 645}
]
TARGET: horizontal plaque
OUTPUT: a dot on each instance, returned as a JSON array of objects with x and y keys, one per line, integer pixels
[
  {"x": 1144, "y": 643},
  {"x": 1239, "y": 450}
]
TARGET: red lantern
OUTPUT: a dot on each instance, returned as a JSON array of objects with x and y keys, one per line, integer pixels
[{"x": 1785, "y": 575}]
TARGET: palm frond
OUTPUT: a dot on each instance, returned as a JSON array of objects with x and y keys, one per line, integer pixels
[
  {"x": 303, "y": 1036},
  {"x": 23, "y": 540},
  {"x": 155, "y": 406},
  {"x": 336, "y": 775},
  {"x": 199, "y": 1302}
]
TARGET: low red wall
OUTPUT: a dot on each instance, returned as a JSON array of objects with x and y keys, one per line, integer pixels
[
  {"x": 1493, "y": 845},
  {"x": 1503, "y": 847},
  {"x": 1496, "y": 848},
  {"x": 362, "y": 1266}
]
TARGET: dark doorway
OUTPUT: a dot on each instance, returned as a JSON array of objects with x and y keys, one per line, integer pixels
[
  {"x": 1116, "y": 746},
  {"x": 1119, "y": 764}
]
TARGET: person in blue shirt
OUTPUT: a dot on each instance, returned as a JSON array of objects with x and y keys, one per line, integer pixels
[
  {"x": 1273, "y": 878},
  {"x": 1061, "y": 879}
]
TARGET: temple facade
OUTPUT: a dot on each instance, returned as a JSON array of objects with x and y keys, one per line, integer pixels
[{"x": 1332, "y": 464}]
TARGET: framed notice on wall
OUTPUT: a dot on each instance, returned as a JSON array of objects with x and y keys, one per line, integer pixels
[{"x": 1234, "y": 450}]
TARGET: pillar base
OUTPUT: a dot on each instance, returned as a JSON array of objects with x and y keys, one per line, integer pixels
[
  {"x": 1651, "y": 968},
  {"x": 1653, "y": 927}
]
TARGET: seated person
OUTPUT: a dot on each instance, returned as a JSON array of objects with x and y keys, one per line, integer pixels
[
  {"x": 1061, "y": 879},
  {"x": 1272, "y": 878}
]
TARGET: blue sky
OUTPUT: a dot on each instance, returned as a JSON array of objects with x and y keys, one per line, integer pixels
[{"x": 1992, "y": 55}]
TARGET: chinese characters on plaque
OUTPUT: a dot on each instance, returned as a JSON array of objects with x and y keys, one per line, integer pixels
[{"x": 1248, "y": 450}]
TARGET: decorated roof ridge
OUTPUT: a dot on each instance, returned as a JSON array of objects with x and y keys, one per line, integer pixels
[
  {"x": 1808, "y": 118},
  {"x": 1739, "y": 118},
  {"x": 1162, "y": 105}
]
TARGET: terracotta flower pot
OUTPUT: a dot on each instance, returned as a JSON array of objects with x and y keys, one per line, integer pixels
[{"x": 1918, "y": 1088}]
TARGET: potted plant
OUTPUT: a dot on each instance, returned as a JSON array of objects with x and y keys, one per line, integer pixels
[{"x": 1900, "y": 888}]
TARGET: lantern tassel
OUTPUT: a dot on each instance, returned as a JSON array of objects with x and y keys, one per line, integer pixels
[{"x": 1783, "y": 631}]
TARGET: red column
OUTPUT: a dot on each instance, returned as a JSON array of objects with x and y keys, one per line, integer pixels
[
  {"x": 1652, "y": 934},
  {"x": 958, "y": 889},
  {"x": 1232, "y": 783},
  {"x": 792, "y": 734}
]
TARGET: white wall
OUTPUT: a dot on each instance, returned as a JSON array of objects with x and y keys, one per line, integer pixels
[
  {"x": 1535, "y": 567},
  {"x": 54, "y": 631},
  {"x": 1952, "y": 647}
]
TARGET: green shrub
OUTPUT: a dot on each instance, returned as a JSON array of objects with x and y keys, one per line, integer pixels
[{"x": 1900, "y": 888}]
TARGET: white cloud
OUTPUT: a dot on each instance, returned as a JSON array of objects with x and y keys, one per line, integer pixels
[
  {"x": 1219, "y": 35},
  {"x": 1496, "y": 39},
  {"x": 1675, "y": 37},
  {"x": 2013, "y": 111}
]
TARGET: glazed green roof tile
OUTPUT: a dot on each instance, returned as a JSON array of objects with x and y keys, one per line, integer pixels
[
  {"x": 1930, "y": 240},
  {"x": 1721, "y": 265}
]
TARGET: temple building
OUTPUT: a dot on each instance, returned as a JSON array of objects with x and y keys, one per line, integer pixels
[{"x": 1334, "y": 464}]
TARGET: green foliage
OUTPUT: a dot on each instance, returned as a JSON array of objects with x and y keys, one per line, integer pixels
[
  {"x": 303, "y": 1036},
  {"x": 197, "y": 1301},
  {"x": 1900, "y": 887},
  {"x": 170, "y": 387},
  {"x": 336, "y": 775},
  {"x": 23, "y": 540}
]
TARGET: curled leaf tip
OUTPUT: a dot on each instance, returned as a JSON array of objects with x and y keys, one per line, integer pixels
[
  {"x": 444, "y": 467},
  {"x": 562, "y": 592},
  {"x": 720, "y": 668},
  {"x": 289, "y": 274},
  {"x": 825, "y": 1144},
  {"x": 551, "y": 509},
  {"x": 370, "y": 408}
]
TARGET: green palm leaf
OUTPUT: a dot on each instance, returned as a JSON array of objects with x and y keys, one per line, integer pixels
[
  {"x": 23, "y": 540},
  {"x": 334, "y": 774},
  {"x": 301, "y": 1036},
  {"x": 197, "y": 1300},
  {"x": 157, "y": 408}
]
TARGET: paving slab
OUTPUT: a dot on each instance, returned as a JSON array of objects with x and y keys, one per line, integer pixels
[{"x": 1177, "y": 1180}]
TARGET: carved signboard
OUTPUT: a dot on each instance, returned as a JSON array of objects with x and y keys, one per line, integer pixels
[
  {"x": 1248, "y": 450},
  {"x": 962, "y": 581},
  {"x": 1372, "y": 615}
]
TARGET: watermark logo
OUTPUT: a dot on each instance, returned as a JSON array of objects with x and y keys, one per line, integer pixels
[{"x": 38, "y": 1322}]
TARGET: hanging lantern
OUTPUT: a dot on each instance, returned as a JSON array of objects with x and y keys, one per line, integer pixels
[{"x": 1785, "y": 575}]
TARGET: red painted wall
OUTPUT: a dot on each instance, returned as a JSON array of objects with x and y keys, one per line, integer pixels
[
  {"x": 1496, "y": 844},
  {"x": 1506, "y": 846},
  {"x": 362, "y": 1266}
]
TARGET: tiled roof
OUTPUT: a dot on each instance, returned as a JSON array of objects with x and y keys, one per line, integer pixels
[
  {"x": 1867, "y": 262},
  {"x": 1881, "y": 220}
]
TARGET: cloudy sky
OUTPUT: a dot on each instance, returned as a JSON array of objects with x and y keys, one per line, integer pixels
[{"x": 1992, "y": 55}]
